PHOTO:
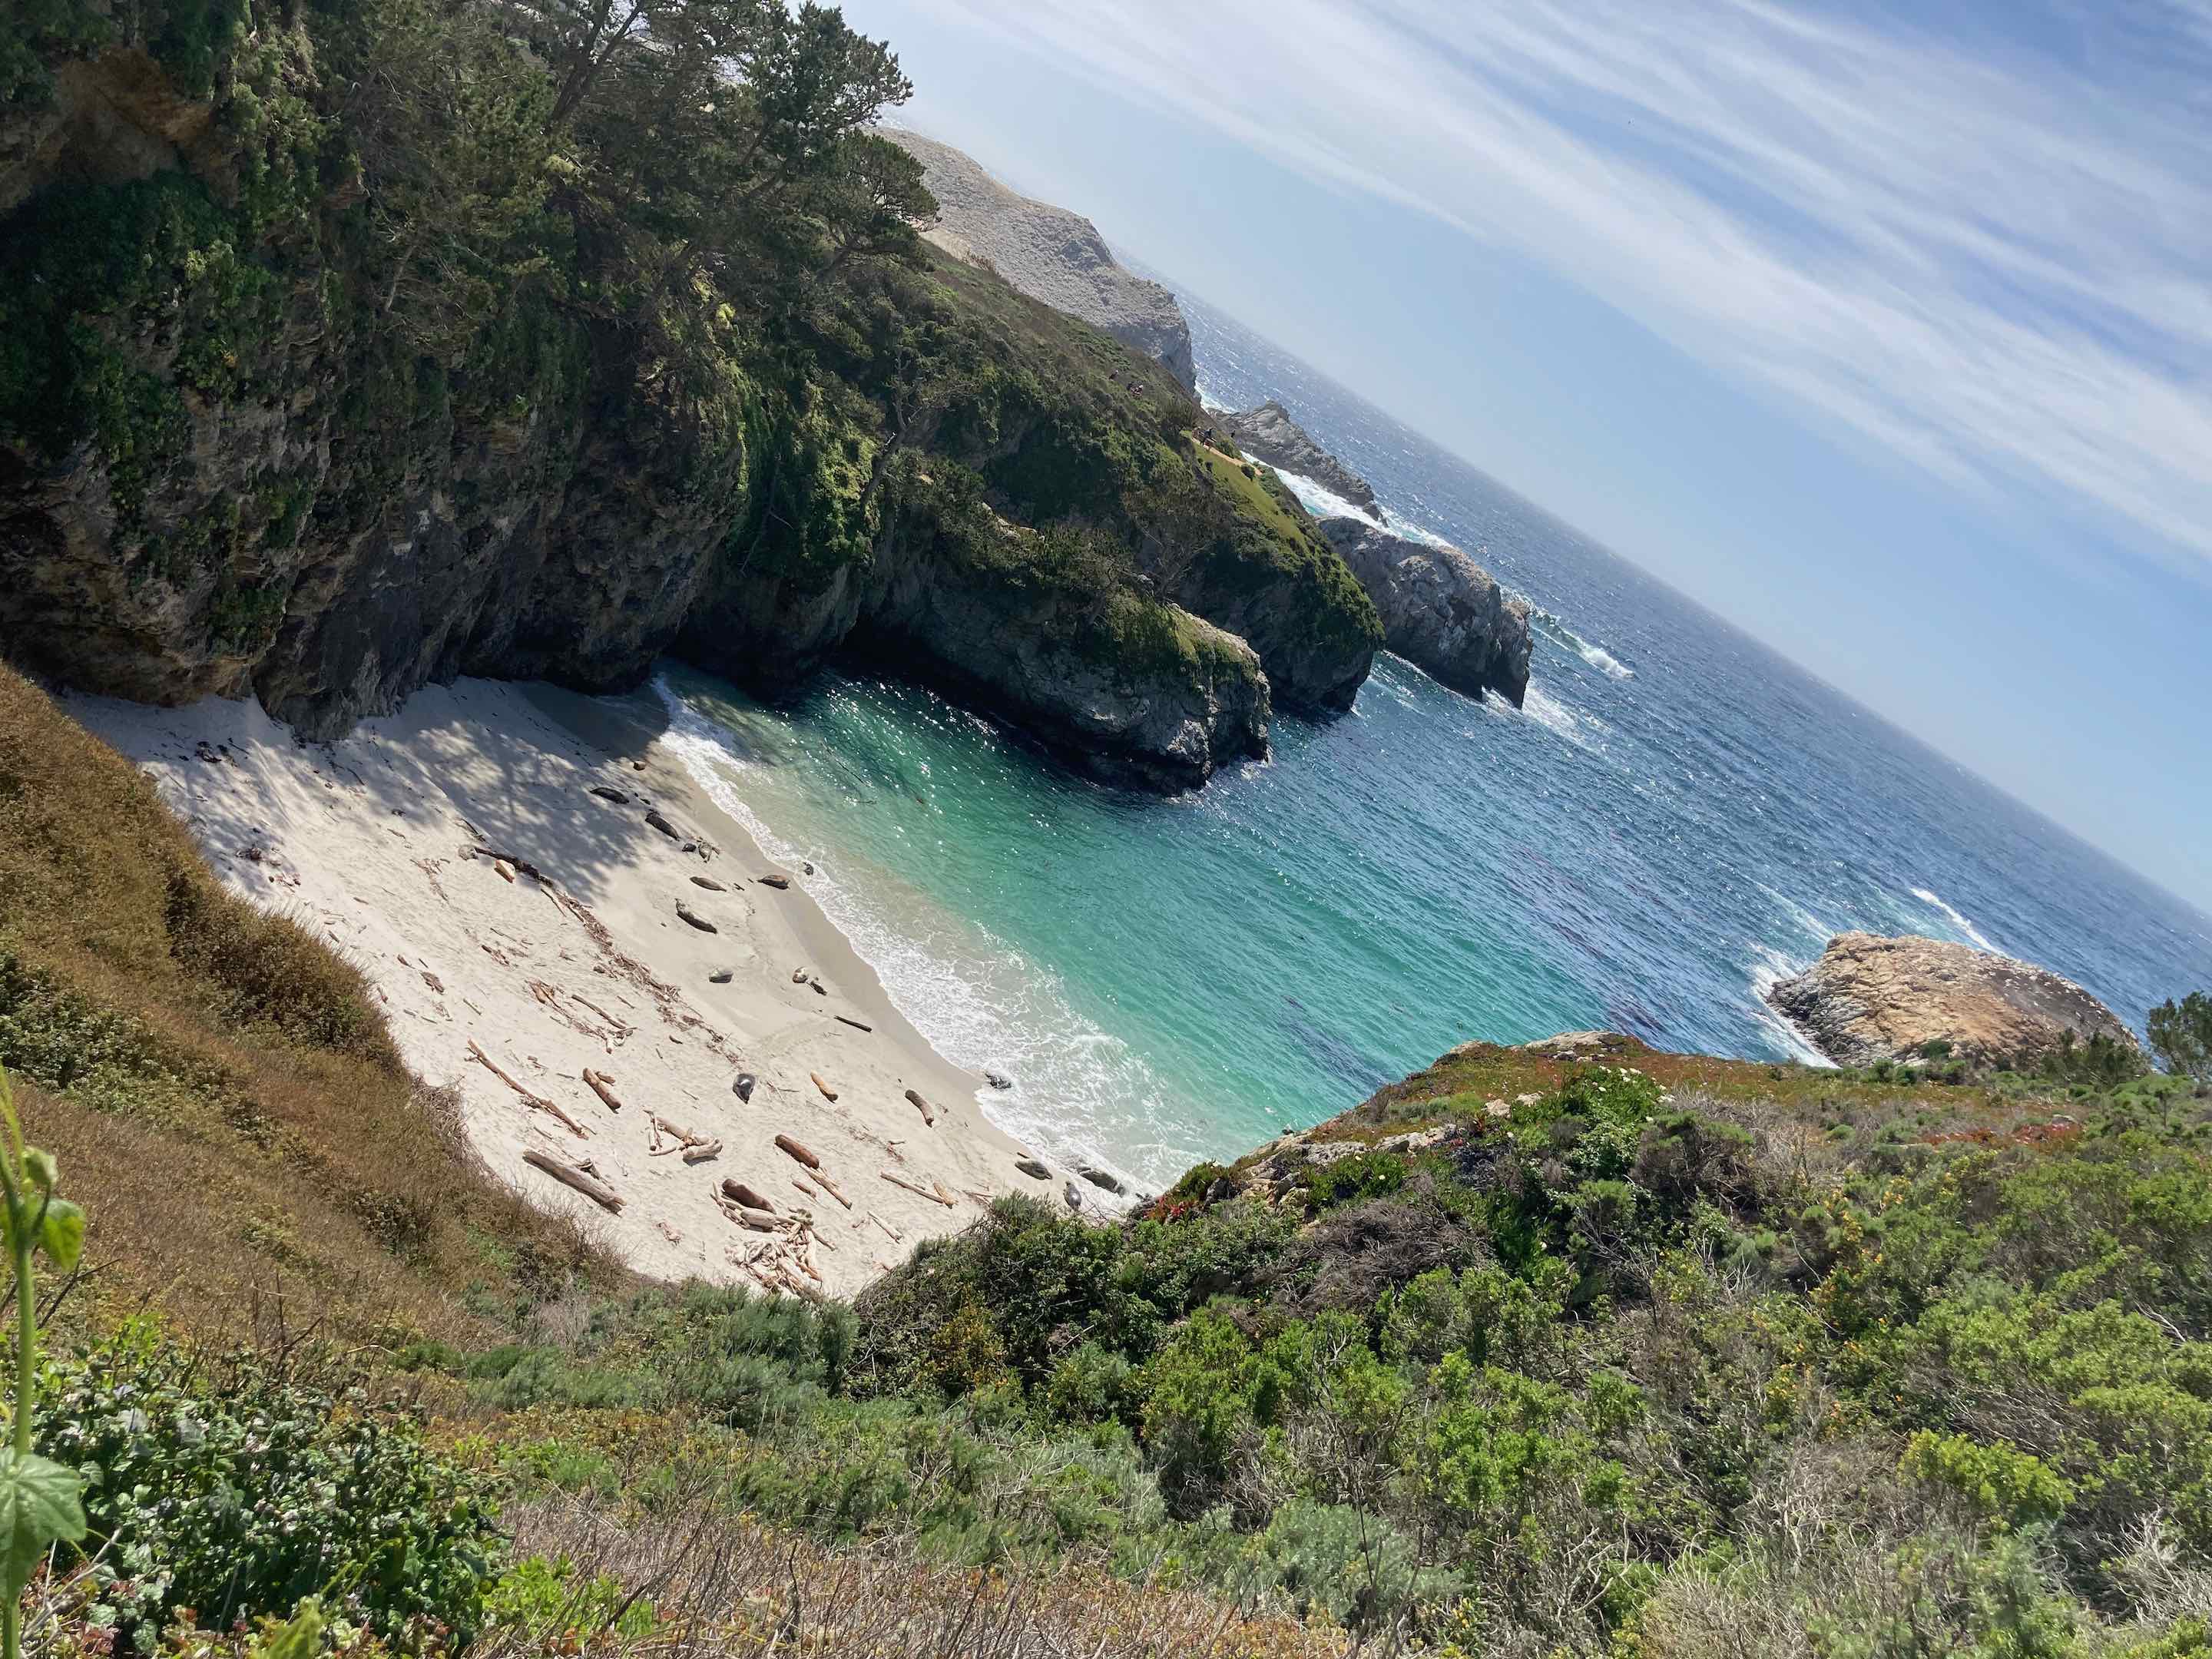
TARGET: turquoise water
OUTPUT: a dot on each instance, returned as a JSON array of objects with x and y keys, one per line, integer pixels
[{"x": 1676, "y": 818}]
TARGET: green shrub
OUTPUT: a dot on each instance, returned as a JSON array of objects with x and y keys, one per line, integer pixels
[
  {"x": 237, "y": 1493},
  {"x": 2001, "y": 1487},
  {"x": 1352, "y": 1179}
]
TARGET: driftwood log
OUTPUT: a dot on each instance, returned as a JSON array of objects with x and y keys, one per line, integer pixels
[
  {"x": 928, "y": 1112},
  {"x": 832, "y": 1189},
  {"x": 857, "y": 1024},
  {"x": 738, "y": 1191},
  {"x": 603, "y": 1086},
  {"x": 530, "y": 1095},
  {"x": 917, "y": 1187},
  {"x": 569, "y": 1176}
]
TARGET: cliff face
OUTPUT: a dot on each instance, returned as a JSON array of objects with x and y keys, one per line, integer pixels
[
  {"x": 1440, "y": 610},
  {"x": 1049, "y": 254},
  {"x": 1269, "y": 433},
  {"x": 229, "y": 462},
  {"x": 1871, "y": 999}
]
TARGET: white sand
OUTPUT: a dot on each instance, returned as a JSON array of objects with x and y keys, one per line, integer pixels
[{"x": 372, "y": 842}]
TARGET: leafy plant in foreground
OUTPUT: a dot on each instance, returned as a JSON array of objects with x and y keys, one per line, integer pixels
[{"x": 40, "y": 1506}]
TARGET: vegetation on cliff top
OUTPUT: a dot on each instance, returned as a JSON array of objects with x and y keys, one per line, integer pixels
[{"x": 518, "y": 250}]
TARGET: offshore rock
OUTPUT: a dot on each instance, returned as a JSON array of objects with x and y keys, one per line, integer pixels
[
  {"x": 1440, "y": 610},
  {"x": 1049, "y": 254},
  {"x": 1871, "y": 999},
  {"x": 1268, "y": 434}
]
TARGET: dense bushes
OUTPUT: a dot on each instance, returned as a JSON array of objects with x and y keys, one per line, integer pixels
[
  {"x": 242, "y": 1494},
  {"x": 1618, "y": 1367}
]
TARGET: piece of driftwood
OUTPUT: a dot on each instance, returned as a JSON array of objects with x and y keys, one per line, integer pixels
[
  {"x": 857, "y": 1024},
  {"x": 803, "y": 1187},
  {"x": 509, "y": 859},
  {"x": 889, "y": 1231},
  {"x": 928, "y": 1112},
  {"x": 569, "y": 1176},
  {"x": 915, "y": 1188},
  {"x": 828, "y": 1093},
  {"x": 603, "y": 1086},
  {"x": 745, "y": 1195},
  {"x": 530, "y": 1095},
  {"x": 700, "y": 1151},
  {"x": 761, "y": 1221},
  {"x": 943, "y": 1197},
  {"x": 798, "y": 1152},
  {"x": 832, "y": 1189}
]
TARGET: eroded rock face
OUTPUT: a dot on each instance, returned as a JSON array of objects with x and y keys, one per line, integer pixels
[
  {"x": 1268, "y": 434},
  {"x": 1161, "y": 718},
  {"x": 1871, "y": 999},
  {"x": 1440, "y": 610},
  {"x": 1049, "y": 254}
]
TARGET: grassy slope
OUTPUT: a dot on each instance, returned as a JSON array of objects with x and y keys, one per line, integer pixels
[{"x": 219, "y": 1083}]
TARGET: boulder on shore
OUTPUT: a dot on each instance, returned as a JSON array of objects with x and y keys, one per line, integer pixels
[
  {"x": 1441, "y": 610},
  {"x": 1870, "y": 999}
]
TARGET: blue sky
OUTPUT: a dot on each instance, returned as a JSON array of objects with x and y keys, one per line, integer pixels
[{"x": 1885, "y": 331}]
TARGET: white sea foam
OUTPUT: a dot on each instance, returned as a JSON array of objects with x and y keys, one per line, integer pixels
[
  {"x": 1081, "y": 1095},
  {"x": 1578, "y": 728},
  {"x": 1407, "y": 530},
  {"x": 1957, "y": 920},
  {"x": 1319, "y": 499},
  {"x": 1769, "y": 968},
  {"x": 1818, "y": 930},
  {"x": 1596, "y": 655}
]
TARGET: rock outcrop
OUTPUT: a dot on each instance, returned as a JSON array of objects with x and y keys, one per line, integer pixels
[
  {"x": 1049, "y": 254},
  {"x": 1440, "y": 610},
  {"x": 1268, "y": 434},
  {"x": 1871, "y": 999}
]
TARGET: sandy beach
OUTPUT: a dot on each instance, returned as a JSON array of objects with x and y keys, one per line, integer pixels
[{"x": 490, "y": 858}]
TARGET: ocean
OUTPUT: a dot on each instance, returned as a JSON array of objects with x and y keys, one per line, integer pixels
[{"x": 1676, "y": 818}]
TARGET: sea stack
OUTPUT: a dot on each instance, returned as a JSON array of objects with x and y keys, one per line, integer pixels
[
  {"x": 1441, "y": 610},
  {"x": 1268, "y": 434},
  {"x": 1870, "y": 999}
]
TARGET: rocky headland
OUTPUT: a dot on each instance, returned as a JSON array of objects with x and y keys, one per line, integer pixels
[
  {"x": 1871, "y": 999},
  {"x": 249, "y": 444},
  {"x": 1268, "y": 434},
  {"x": 1441, "y": 610},
  {"x": 1049, "y": 254}
]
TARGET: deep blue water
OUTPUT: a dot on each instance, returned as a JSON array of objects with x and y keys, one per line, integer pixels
[{"x": 1678, "y": 816}]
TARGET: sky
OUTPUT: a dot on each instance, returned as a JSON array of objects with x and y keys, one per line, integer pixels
[{"x": 1884, "y": 331}]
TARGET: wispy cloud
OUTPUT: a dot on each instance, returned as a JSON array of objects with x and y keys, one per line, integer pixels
[{"x": 1991, "y": 253}]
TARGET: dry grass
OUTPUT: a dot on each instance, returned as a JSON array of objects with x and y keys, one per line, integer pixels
[
  {"x": 219, "y": 1084},
  {"x": 738, "y": 1589}
]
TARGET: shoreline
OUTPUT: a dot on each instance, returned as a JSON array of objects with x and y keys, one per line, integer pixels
[{"x": 456, "y": 853}]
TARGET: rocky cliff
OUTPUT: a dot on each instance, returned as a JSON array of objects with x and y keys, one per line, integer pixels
[
  {"x": 1871, "y": 999},
  {"x": 1268, "y": 434},
  {"x": 1440, "y": 610},
  {"x": 238, "y": 452},
  {"x": 1049, "y": 254}
]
